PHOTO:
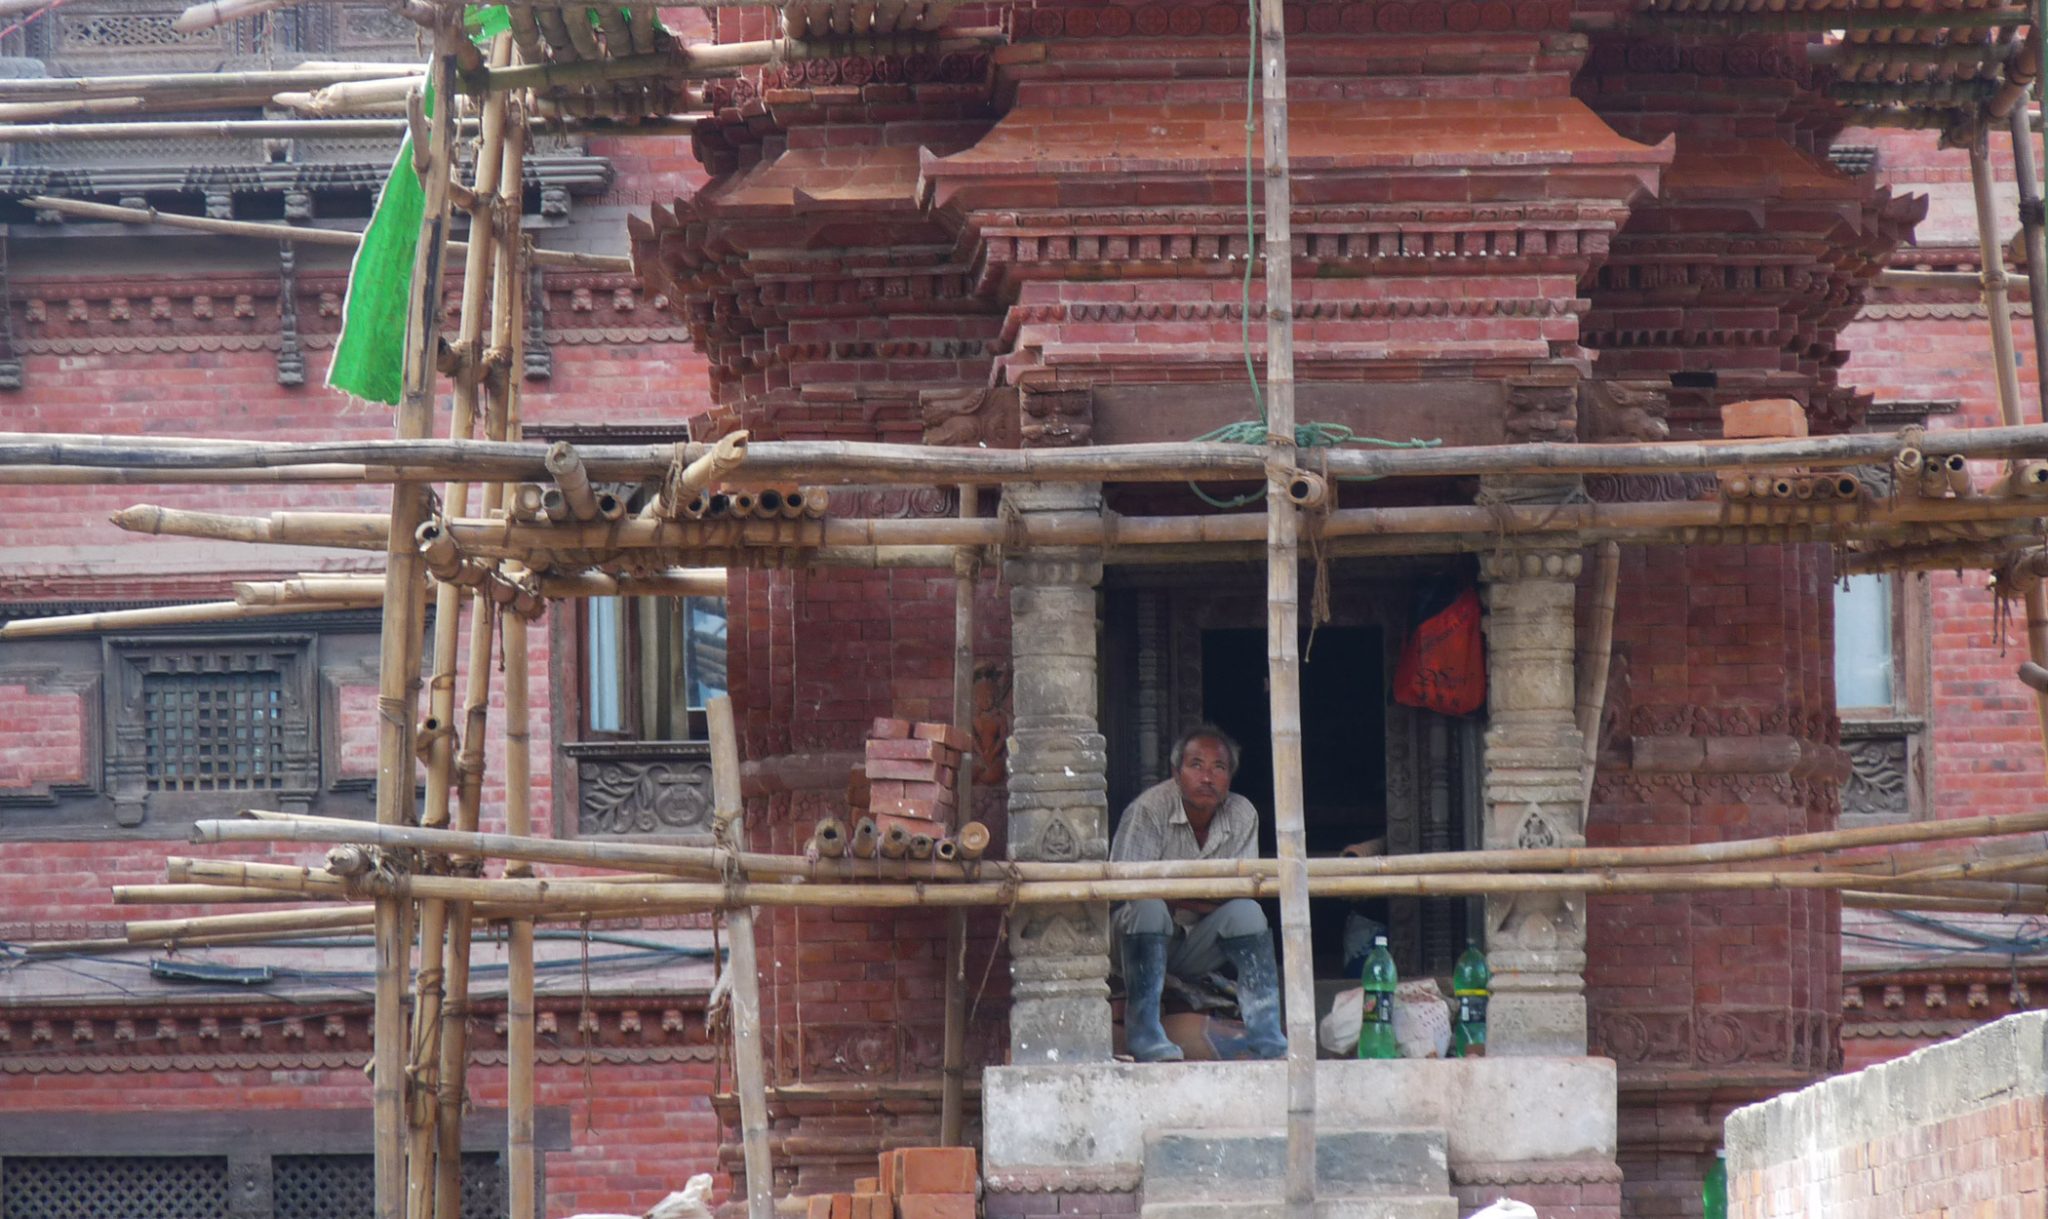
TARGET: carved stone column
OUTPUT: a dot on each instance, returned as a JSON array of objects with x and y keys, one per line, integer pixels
[
  {"x": 1536, "y": 943},
  {"x": 1059, "y": 955}
]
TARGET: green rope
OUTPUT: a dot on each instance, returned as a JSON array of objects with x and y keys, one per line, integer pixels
[
  {"x": 1307, "y": 435},
  {"x": 1253, "y": 431}
]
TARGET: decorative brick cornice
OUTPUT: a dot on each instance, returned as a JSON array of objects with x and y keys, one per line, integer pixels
[
  {"x": 273, "y": 1036},
  {"x": 1112, "y": 1179},
  {"x": 1369, "y": 19},
  {"x": 1534, "y": 1172}
]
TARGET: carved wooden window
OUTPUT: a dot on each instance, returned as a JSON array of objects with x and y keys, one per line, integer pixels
[
  {"x": 649, "y": 665},
  {"x": 1881, "y": 679},
  {"x": 194, "y": 720},
  {"x": 114, "y": 1187}
]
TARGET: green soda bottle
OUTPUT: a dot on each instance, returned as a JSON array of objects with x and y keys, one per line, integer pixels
[
  {"x": 1469, "y": 989},
  {"x": 1376, "y": 1035},
  {"x": 1714, "y": 1190}
]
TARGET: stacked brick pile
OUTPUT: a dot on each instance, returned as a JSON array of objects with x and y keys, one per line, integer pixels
[
  {"x": 915, "y": 1183},
  {"x": 912, "y": 777}
]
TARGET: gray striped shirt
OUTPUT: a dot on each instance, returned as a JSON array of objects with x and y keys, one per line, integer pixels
[{"x": 1155, "y": 828}]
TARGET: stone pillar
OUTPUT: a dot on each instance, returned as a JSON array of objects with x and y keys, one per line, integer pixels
[
  {"x": 1059, "y": 807},
  {"x": 1536, "y": 943}
]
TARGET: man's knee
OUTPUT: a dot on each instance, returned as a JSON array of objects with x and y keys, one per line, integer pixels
[
  {"x": 1240, "y": 917},
  {"x": 1150, "y": 917}
]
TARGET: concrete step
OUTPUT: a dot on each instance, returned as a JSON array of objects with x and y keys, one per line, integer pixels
[
  {"x": 1389, "y": 1206},
  {"x": 1205, "y": 1166}
]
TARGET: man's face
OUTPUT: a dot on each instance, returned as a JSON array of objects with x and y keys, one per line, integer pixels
[{"x": 1204, "y": 775}]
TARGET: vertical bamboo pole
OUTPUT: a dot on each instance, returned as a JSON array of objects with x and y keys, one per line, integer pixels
[
  {"x": 750, "y": 1075},
  {"x": 493, "y": 162},
  {"x": 1998, "y": 305},
  {"x": 954, "y": 1080},
  {"x": 1595, "y": 664},
  {"x": 519, "y": 1042},
  {"x": 398, "y": 659},
  {"x": 2037, "y": 240},
  {"x": 1283, "y": 620}
]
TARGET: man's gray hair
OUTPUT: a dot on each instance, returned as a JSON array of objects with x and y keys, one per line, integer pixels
[{"x": 1204, "y": 732}]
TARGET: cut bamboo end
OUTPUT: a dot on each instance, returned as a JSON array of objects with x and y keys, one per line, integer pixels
[
  {"x": 867, "y": 840},
  {"x": 946, "y": 850},
  {"x": 830, "y": 837},
  {"x": 895, "y": 842},
  {"x": 973, "y": 840},
  {"x": 921, "y": 846}
]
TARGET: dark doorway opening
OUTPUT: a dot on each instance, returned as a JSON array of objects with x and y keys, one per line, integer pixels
[{"x": 1344, "y": 729}]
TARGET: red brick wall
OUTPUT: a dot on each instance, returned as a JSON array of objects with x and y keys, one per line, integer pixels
[{"x": 1956, "y": 1129}]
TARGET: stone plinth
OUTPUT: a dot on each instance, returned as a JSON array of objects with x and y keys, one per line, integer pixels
[{"x": 1092, "y": 1120}]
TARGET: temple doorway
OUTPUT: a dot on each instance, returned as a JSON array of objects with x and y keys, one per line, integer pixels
[{"x": 1178, "y": 650}]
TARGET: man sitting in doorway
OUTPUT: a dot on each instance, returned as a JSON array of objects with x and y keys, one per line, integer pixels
[{"x": 1194, "y": 815}]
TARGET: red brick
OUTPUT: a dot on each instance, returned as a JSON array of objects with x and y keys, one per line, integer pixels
[
  {"x": 908, "y": 771},
  {"x": 912, "y": 824},
  {"x": 867, "y": 1185},
  {"x": 947, "y": 733},
  {"x": 1763, "y": 418},
  {"x": 818, "y": 1206},
  {"x": 886, "y": 729},
  {"x": 913, "y": 749},
  {"x": 934, "y": 1170},
  {"x": 935, "y": 1206}
]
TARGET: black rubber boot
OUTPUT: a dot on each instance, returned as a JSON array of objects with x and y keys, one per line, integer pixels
[
  {"x": 1144, "y": 977},
  {"x": 1258, "y": 994}
]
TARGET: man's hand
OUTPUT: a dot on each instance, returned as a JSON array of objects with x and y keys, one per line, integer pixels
[{"x": 1368, "y": 849}]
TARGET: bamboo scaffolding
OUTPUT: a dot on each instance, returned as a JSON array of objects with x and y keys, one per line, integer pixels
[
  {"x": 1982, "y": 186},
  {"x": 678, "y": 860},
  {"x": 166, "y": 615},
  {"x": 749, "y": 1071},
  {"x": 828, "y": 462},
  {"x": 297, "y": 234},
  {"x": 596, "y": 898},
  {"x": 398, "y": 697},
  {"x": 1283, "y": 615},
  {"x": 1593, "y": 665},
  {"x": 208, "y": 85},
  {"x": 953, "y": 1059}
]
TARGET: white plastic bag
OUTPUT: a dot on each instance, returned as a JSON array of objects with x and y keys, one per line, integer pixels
[
  {"x": 692, "y": 1201},
  {"x": 1506, "y": 1208},
  {"x": 1338, "y": 1032},
  {"x": 1422, "y": 1020}
]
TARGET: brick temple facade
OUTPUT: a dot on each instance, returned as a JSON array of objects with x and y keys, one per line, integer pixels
[{"x": 1514, "y": 221}]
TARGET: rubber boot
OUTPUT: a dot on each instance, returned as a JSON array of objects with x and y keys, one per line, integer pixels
[
  {"x": 1258, "y": 997},
  {"x": 1144, "y": 978}
]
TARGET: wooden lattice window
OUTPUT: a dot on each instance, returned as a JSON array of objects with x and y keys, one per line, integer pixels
[
  {"x": 113, "y": 1187},
  {"x": 344, "y": 1186},
  {"x": 213, "y": 731},
  {"x": 193, "y": 719}
]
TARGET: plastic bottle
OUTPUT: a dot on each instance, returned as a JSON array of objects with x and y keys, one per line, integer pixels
[
  {"x": 1376, "y": 1035},
  {"x": 1714, "y": 1190},
  {"x": 1469, "y": 982}
]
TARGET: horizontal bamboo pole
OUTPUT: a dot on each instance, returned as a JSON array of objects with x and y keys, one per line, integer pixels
[
  {"x": 1856, "y": 899},
  {"x": 820, "y": 462},
  {"x": 562, "y": 896},
  {"x": 188, "y": 895},
  {"x": 309, "y": 75},
  {"x": 220, "y": 129},
  {"x": 707, "y": 60},
  {"x": 350, "y": 589},
  {"x": 162, "y": 615},
  {"x": 294, "y": 233},
  {"x": 171, "y": 930},
  {"x": 675, "y": 582},
  {"x": 280, "y": 827}
]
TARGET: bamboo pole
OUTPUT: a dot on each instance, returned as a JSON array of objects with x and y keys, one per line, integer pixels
[
  {"x": 750, "y": 1075},
  {"x": 1283, "y": 616},
  {"x": 441, "y": 1006},
  {"x": 1996, "y": 305},
  {"x": 309, "y": 75},
  {"x": 171, "y": 930},
  {"x": 827, "y": 463},
  {"x": 520, "y": 1159},
  {"x": 164, "y": 615},
  {"x": 1594, "y": 664},
  {"x": 716, "y": 861},
  {"x": 953, "y": 1062},
  {"x": 571, "y": 897},
  {"x": 291, "y": 232},
  {"x": 188, "y": 895},
  {"x": 398, "y": 700}
]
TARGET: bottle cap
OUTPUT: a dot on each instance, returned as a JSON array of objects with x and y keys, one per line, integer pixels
[{"x": 1380, "y": 940}]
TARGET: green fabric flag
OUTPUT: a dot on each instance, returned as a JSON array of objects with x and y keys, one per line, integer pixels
[{"x": 369, "y": 357}]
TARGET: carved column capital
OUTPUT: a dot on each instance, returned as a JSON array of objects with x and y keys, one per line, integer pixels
[{"x": 1501, "y": 566}]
